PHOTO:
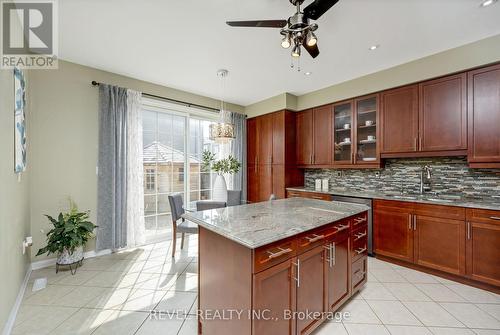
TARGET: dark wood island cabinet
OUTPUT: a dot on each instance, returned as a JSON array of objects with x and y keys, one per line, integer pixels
[{"x": 313, "y": 263}]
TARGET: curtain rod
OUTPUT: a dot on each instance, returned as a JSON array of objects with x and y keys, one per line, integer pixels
[{"x": 188, "y": 104}]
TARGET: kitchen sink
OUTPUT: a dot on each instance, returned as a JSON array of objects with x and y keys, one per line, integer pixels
[
  {"x": 439, "y": 200},
  {"x": 401, "y": 196}
]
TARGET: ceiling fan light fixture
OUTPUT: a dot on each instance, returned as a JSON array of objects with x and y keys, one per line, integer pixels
[
  {"x": 285, "y": 42},
  {"x": 487, "y": 3},
  {"x": 296, "y": 51},
  {"x": 311, "y": 39}
]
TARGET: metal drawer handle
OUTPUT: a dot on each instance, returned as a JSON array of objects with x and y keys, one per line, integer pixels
[
  {"x": 360, "y": 273},
  {"x": 279, "y": 253},
  {"x": 315, "y": 238},
  {"x": 359, "y": 220},
  {"x": 342, "y": 227},
  {"x": 495, "y": 218},
  {"x": 359, "y": 235},
  {"x": 298, "y": 272},
  {"x": 360, "y": 250}
]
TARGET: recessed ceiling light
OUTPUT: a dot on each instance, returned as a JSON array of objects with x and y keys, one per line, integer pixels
[
  {"x": 486, "y": 3},
  {"x": 308, "y": 73},
  {"x": 374, "y": 47}
]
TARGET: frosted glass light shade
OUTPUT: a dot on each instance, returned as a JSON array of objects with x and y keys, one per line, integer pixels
[{"x": 221, "y": 132}]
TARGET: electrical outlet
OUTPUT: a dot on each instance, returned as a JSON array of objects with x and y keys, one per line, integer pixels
[
  {"x": 338, "y": 174},
  {"x": 377, "y": 174}
]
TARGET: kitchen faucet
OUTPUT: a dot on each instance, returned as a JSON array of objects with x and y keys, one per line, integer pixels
[{"x": 425, "y": 178}]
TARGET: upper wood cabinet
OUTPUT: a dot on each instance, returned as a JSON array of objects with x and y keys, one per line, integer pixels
[
  {"x": 304, "y": 141},
  {"x": 271, "y": 155},
  {"x": 443, "y": 114},
  {"x": 342, "y": 120},
  {"x": 356, "y": 132},
  {"x": 265, "y": 139},
  {"x": 322, "y": 130},
  {"x": 426, "y": 119},
  {"x": 484, "y": 117},
  {"x": 367, "y": 131},
  {"x": 400, "y": 120}
]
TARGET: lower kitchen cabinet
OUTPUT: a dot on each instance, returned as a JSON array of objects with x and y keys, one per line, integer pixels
[
  {"x": 459, "y": 241},
  {"x": 309, "y": 275},
  {"x": 440, "y": 243},
  {"x": 483, "y": 246},
  {"x": 393, "y": 230},
  {"x": 337, "y": 274},
  {"x": 274, "y": 289},
  {"x": 310, "y": 287}
]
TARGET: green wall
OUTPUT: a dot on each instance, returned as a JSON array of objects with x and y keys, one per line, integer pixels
[{"x": 14, "y": 201}]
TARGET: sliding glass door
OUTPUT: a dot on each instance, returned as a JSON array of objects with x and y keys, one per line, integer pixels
[{"x": 173, "y": 144}]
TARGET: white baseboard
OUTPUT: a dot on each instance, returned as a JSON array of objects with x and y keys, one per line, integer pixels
[
  {"x": 13, "y": 313},
  {"x": 52, "y": 261}
]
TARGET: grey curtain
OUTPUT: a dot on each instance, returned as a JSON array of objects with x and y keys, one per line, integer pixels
[
  {"x": 112, "y": 168},
  {"x": 239, "y": 151}
]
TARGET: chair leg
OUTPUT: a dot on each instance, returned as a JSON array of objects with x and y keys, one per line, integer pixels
[
  {"x": 174, "y": 241},
  {"x": 182, "y": 241}
]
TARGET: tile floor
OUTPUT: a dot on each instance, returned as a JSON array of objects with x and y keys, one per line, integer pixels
[{"x": 114, "y": 294}]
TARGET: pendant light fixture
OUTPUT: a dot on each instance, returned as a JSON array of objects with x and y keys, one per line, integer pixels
[{"x": 222, "y": 131}]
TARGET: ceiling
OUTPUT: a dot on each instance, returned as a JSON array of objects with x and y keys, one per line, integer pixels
[{"x": 181, "y": 44}]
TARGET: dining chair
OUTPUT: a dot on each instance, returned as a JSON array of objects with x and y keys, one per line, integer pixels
[
  {"x": 204, "y": 205},
  {"x": 183, "y": 227},
  {"x": 233, "y": 197}
]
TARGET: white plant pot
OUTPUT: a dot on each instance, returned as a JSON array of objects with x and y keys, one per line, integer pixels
[
  {"x": 66, "y": 258},
  {"x": 220, "y": 189}
]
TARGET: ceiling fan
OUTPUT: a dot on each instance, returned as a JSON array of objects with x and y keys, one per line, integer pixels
[{"x": 297, "y": 30}]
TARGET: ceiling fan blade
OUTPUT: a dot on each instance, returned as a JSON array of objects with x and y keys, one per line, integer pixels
[
  {"x": 259, "y": 24},
  {"x": 312, "y": 50},
  {"x": 318, "y": 8}
]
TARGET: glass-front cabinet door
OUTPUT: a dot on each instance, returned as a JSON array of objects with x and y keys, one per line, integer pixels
[
  {"x": 367, "y": 134},
  {"x": 343, "y": 142}
]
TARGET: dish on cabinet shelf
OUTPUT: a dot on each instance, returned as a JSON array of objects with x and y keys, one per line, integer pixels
[
  {"x": 344, "y": 143},
  {"x": 368, "y": 141}
]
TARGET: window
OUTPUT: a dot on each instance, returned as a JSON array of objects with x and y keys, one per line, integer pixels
[
  {"x": 150, "y": 179},
  {"x": 173, "y": 141}
]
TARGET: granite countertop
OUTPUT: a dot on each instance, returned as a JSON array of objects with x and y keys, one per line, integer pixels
[
  {"x": 491, "y": 202},
  {"x": 258, "y": 224}
]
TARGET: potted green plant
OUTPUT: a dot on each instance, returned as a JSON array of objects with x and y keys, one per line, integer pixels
[
  {"x": 71, "y": 232},
  {"x": 229, "y": 165}
]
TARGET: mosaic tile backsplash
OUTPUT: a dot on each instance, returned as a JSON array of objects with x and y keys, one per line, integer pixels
[{"x": 449, "y": 176}]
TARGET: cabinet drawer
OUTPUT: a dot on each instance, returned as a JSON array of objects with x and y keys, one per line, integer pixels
[
  {"x": 359, "y": 220},
  {"x": 275, "y": 253},
  {"x": 310, "y": 195},
  {"x": 359, "y": 274},
  {"x": 293, "y": 194},
  {"x": 360, "y": 233},
  {"x": 359, "y": 244},
  {"x": 313, "y": 239},
  {"x": 483, "y": 216},
  {"x": 440, "y": 211}
]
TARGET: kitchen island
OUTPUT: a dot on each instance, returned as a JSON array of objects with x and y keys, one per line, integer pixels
[{"x": 278, "y": 267}]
